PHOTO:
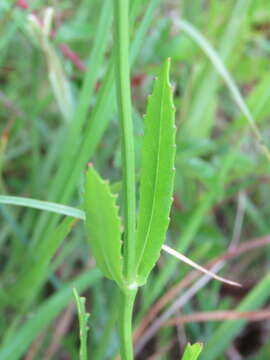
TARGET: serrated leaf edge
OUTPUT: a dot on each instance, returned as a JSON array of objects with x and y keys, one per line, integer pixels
[
  {"x": 113, "y": 274},
  {"x": 165, "y": 85}
]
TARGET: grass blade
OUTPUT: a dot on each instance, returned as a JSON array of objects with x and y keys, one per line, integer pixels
[
  {"x": 223, "y": 72},
  {"x": 36, "y": 265},
  {"x": 196, "y": 125},
  {"x": 42, "y": 205}
]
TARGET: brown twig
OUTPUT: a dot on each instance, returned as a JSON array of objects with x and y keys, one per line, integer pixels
[{"x": 219, "y": 316}]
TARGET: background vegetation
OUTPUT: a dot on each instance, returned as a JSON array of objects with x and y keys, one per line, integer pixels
[{"x": 58, "y": 112}]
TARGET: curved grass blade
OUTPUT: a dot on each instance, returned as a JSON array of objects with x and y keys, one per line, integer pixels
[
  {"x": 157, "y": 175},
  {"x": 103, "y": 226},
  {"x": 42, "y": 205},
  {"x": 203, "y": 43}
]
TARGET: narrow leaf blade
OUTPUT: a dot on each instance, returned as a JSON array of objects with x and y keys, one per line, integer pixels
[
  {"x": 157, "y": 175},
  {"x": 37, "y": 265},
  {"x": 103, "y": 226}
]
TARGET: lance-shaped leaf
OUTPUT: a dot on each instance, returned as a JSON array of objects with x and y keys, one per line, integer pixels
[
  {"x": 103, "y": 226},
  {"x": 157, "y": 175}
]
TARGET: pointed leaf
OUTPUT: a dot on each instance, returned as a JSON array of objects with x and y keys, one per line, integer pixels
[
  {"x": 192, "y": 352},
  {"x": 103, "y": 226},
  {"x": 157, "y": 175}
]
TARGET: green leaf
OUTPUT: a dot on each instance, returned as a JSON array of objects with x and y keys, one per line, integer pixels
[
  {"x": 83, "y": 319},
  {"x": 192, "y": 352},
  {"x": 103, "y": 226},
  {"x": 157, "y": 175}
]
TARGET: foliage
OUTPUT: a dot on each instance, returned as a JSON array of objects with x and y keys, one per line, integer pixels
[{"x": 220, "y": 77}]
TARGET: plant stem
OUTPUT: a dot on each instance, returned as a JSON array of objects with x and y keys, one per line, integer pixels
[
  {"x": 121, "y": 25},
  {"x": 127, "y": 298},
  {"x": 125, "y": 323}
]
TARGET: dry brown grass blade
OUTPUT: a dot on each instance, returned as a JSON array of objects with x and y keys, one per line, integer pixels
[
  {"x": 34, "y": 348},
  {"x": 198, "y": 267},
  {"x": 220, "y": 316},
  {"x": 173, "y": 291}
]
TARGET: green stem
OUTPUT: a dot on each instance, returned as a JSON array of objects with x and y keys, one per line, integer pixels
[
  {"x": 125, "y": 324},
  {"x": 121, "y": 25},
  {"x": 127, "y": 298}
]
